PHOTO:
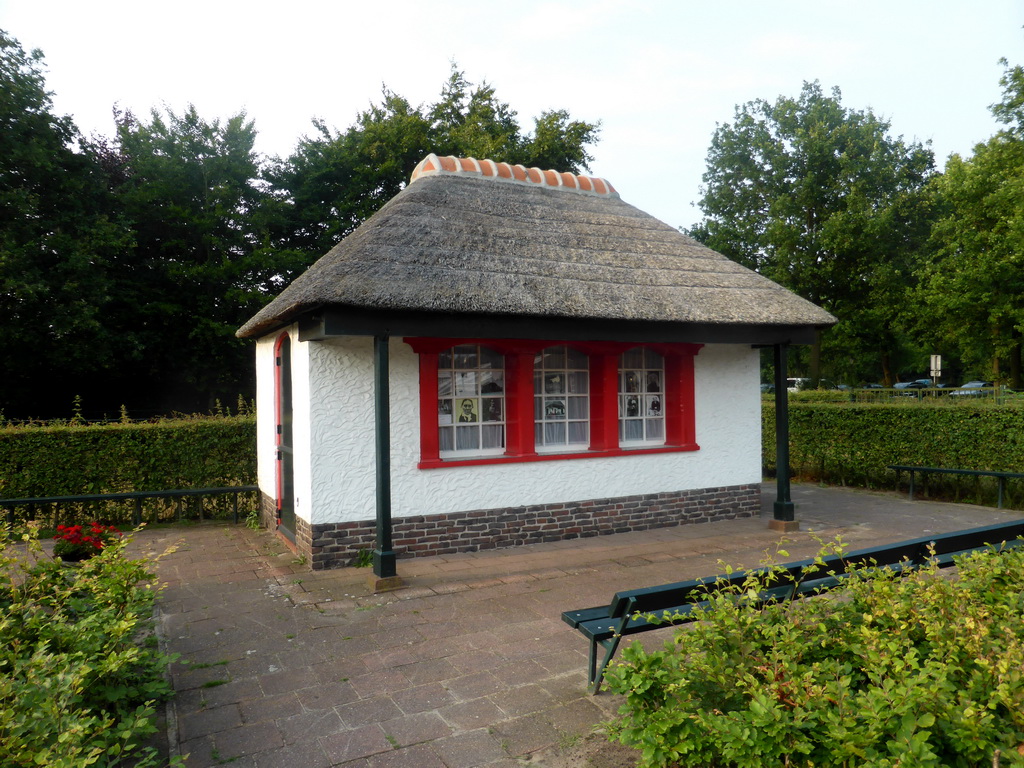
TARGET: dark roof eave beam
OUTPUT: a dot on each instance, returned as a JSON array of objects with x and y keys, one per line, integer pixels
[{"x": 332, "y": 323}]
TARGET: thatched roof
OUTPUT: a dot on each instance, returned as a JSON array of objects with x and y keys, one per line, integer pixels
[{"x": 486, "y": 239}]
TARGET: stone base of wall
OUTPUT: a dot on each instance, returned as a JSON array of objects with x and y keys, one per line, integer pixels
[
  {"x": 335, "y": 545},
  {"x": 303, "y": 531}
]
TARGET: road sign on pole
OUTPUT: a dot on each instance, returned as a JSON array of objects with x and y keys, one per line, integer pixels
[{"x": 936, "y": 367}]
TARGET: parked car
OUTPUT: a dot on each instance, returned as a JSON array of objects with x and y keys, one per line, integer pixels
[
  {"x": 767, "y": 389},
  {"x": 797, "y": 384},
  {"x": 972, "y": 389},
  {"x": 915, "y": 384}
]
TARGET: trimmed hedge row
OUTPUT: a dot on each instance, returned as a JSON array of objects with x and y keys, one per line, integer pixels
[
  {"x": 116, "y": 458},
  {"x": 850, "y": 444}
]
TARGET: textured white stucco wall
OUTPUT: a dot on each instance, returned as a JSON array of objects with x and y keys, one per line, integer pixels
[{"x": 335, "y": 471}]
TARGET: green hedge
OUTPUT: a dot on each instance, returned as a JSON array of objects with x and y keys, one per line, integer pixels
[
  {"x": 851, "y": 444},
  {"x": 116, "y": 458}
]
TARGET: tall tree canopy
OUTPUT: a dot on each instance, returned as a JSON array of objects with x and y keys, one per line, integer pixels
[
  {"x": 58, "y": 242},
  {"x": 336, "y": 179},
  {"x": 188, "y": 189},
  {"x": 821, "y": 199},
  {"x": 972, "y": 292}
]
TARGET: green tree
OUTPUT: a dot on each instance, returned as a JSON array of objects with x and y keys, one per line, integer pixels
[
  {"x": 973, "y": 291},
  {"x": 821, "y": 199},
  {"x": 200, "y": 265},
  {"x": 335, "y": 180},
  {"x": 58, "y": 245}
]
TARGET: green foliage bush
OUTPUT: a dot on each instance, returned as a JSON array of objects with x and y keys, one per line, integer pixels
[
  {"x": 851, "y": 444},
  {"x": 78, "y": 687},
  {"x": 113, "y": 458},
  {"x": 913, "y": 670}
]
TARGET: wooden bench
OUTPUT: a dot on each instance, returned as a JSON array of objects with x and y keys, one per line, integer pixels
[
  {"x": 642, "y": 610},
  {"x": 1001, "y": 476}
]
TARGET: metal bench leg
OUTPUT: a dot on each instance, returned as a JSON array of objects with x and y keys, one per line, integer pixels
[{"x": 595, "y": 679}]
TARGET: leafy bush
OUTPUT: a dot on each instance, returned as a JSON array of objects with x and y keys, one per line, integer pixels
[
  {"x": 913, "y": 670},
  {"x": 852, "y": 444},
  {"x": 78, "y": 686}
]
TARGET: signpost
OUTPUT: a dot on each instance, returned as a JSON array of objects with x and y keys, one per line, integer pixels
[{"x": 936, "y": 369}]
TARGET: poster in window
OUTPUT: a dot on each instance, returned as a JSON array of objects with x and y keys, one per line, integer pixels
[
  {"x": 654, "y": 405},
  {"x": 654, "y": 381},
  {"x": 444, "y": 412},
  {"x": 632, "y": 406},
  {"x": 553, "y": 384},
  {"x": 492, "y": 408},
  {"x": 492, "y": 382},
  {"x": 554, "y": 409},
  {"x": 468, "y": 411},
  {"x": 631, "y": 381}
]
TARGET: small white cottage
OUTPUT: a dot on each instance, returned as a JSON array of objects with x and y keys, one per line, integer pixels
[{"x": 503, "y": 355}]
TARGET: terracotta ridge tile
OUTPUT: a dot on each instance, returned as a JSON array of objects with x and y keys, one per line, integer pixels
[{"x": 515, "y": 174}]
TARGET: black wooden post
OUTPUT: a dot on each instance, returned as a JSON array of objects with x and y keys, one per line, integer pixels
[
  {"x": 784, "y": 509},
  {"x": 383, "y": 555}
]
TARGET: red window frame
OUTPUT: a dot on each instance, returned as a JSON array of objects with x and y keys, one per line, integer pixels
[{"x": 678, "y": 405}]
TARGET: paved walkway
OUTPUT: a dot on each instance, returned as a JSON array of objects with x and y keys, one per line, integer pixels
[{"x": 470, "y": 665}]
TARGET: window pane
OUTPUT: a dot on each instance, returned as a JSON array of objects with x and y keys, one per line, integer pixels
[
  {"x": 578, "y": 408},
  {"x": 653, "y": 359},
  {"x": 492, "y": 381},
  {"x": 465, "y": 356},
  {"x": 538, "y": 379},
  {"x": 467, "y": 438},
  {"x": 655, "y": 429},
  {"x": 447, "y": 439},
  {"x": 554, "y": 357},
  {"x": 444, "y": 384},
  {"x": 491, "y": 359},
  {"x": 653, "y": 381},
  {"x": 554, "y": 434},
  {"x": 465, "y": 383},
  {"x": 467, "y": 410},
  {"x": 578, "y": 382},
  {"x": 630, "y": 406},
  {"x": 576, "y": 359},
  {"x": 554, "y": 383},
  {"x": 633, "y": 358},
  {"x": 538, "y": 434},
  {"x": 631, "y": 381},
  {"x": 444, "y": 359},
  {"x": 444, "y": 412},
  {"x": 554, "y": 408},
  {"x": 634, "y": 429},
  {"x": 492, "y": 409},
  {"x": 493, "y": 436},
  {"x": 653, "y": 405},
  {"x": 578, "y": 432}
]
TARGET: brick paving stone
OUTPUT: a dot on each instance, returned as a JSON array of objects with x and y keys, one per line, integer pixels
[
  {"x": 417, "y": 728},
  {"x": 423, "y": 698},
  {"x": 522, "y": 700},
  {"x": 526, "y": 734},
  {"x": 354, "y": 743},
  {"x": 367, "y": 711},
  {"x": 419, "y": 756},
  {"x": 468, "y": 750},
  {"x": 379, "y": 682},
  {"x": 270, "y": 708},
  {"x": 431, "y": 671},
  {"x": 307, "y": 755},
  {"x": 309, "y": 726},
  {"x": 474, "y": 686},
  {"x": 470, "y": 715},
  {"x": 209, "y": 721},
  {"x": 248, "y": 740}
]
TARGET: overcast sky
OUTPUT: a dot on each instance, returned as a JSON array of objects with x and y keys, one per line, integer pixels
[{"x": 658, "y": 74}]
